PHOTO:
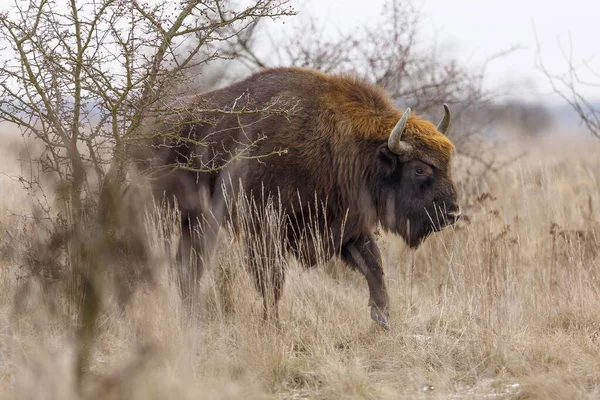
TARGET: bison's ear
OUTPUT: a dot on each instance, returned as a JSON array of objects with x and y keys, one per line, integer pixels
[{"x": 388, "y": 159}]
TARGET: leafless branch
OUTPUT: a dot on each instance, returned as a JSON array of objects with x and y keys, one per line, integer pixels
[{"x": 569, "y": 84}]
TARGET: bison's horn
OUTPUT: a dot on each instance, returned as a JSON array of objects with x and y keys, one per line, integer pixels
[
  {"x": 395, "y": 143},
  {"x": 443, "y": 126}
]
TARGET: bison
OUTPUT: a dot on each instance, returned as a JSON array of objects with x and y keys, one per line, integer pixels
[{"x": 297, "y": 135}]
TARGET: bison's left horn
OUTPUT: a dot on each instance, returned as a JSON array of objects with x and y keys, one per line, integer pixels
[
  {"x": 445, "y": 123},
  {"x": 395, "y": 143}
]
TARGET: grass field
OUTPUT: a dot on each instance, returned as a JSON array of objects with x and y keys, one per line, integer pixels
[{"x": 505, "y": 305}]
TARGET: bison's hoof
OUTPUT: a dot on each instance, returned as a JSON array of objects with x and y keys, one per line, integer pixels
[{"x": 380, "y": 318}]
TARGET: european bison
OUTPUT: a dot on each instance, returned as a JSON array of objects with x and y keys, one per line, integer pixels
[{"x": 352, "y": 161}]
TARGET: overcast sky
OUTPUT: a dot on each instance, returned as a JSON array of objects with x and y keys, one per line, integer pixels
[{"x": 477, "y": 29}]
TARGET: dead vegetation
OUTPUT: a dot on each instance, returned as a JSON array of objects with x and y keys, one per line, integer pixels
[{"x": 502, "y": 306}]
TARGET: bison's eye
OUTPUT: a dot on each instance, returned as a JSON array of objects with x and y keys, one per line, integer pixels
[{"x": 419, "y": 171}]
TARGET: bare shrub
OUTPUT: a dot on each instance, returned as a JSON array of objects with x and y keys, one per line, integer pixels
[{"x": 570, "y": 84}]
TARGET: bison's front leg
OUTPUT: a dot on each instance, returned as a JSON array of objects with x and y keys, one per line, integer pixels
[{"x": 363, "y": 254}]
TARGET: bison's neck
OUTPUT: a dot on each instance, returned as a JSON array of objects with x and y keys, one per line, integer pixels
[{"x": 354, "y": 176}]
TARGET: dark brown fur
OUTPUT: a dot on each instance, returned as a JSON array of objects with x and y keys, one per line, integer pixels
[{"x": 336, "y": 143}]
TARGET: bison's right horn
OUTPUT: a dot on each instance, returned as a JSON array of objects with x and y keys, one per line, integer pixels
[
  {"x": 395, "y": 143},
  {"x": 445, "y": 123}
]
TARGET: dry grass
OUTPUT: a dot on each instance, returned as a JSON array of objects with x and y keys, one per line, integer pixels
[{"x": 504, "y": 306}]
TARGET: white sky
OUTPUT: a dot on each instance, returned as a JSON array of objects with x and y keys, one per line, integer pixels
[{"x": 477, "y": 29}]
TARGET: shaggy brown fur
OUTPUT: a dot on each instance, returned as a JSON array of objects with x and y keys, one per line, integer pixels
[
  {"x": 336, "y": 142},
  {"x": 371, "y": 113}
]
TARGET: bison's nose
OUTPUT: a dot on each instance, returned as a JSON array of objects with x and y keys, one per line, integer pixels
[{"x": 453, "y": 216}]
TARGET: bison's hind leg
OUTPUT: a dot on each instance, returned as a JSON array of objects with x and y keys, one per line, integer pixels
[
  {"x": 189, "y": 266},
  {"x": 194, "y": 255}
]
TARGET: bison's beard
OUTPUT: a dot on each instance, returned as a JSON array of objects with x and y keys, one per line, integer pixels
[
  {"x": 415, "y": 230},
  {"x": 413, "y": 223}
]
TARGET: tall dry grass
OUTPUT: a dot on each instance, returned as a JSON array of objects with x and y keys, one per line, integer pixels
[{"x": 504, "y": 305}]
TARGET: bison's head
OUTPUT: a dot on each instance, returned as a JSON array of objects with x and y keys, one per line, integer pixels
[{"x": 415, "y": 187}]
